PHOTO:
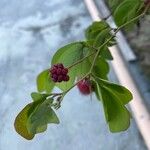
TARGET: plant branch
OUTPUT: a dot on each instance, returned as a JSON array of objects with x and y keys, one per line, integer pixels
[
  {"x": 118, "y": 29},
  {"x": 76, "y": 83},
  {"x": 107, "y": 17},
  {"x": 96, "y": 55},
  {"x": 98, "y": 51}
]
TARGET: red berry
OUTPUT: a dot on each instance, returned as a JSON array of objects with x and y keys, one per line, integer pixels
[
  {"x": 66, "y": 78},
  {"x": 53, "y": 70},
  {"x": 85, "y": 86},
  {"x": 64, "y": 71},
  {"x": 59, "y": 71},
  {"x": 60, "y": 78},
  {"x": 54, "y": 76},
  {"x": 54, "y": 79}
]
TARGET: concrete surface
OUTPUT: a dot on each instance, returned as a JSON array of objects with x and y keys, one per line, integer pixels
[{"x": 30, "y": 33}]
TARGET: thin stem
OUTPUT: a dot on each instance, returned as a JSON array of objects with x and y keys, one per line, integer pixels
[
  {"x": 107, "y": 17},
  {"x": 97, "y": 53},
  {"x": 65, "y": 92},
  {"x": 77, "y": 83},
  {"x": 54, "y": 94}
]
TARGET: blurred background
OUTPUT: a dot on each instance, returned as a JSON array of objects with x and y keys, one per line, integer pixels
[{"x": 30, "y": 33}]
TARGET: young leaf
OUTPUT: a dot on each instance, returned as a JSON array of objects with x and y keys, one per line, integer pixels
[
  {"x": 93, "y": 30},
  {"x": 20, "y": 123},
  {"x": 44, "y": 82},
  {"x": 40, "y": 117},
  {"x": 101, "y": 68},
  {"x": 127, "y": 10},
  {"x": 102, "y": 37}
]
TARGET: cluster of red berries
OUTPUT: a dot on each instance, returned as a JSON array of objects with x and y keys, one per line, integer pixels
[
  {"x": 85, "y": 86},
  {"x": 59, "y": 73}
]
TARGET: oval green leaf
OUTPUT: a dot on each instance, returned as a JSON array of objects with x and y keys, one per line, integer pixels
[
  {"x": 44, "y": 82},
  {"x": 20, "y": 123}
]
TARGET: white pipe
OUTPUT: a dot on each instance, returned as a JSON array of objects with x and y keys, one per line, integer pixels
[{"x": 140, "y": 112}]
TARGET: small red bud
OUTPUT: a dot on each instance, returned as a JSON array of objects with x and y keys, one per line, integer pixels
[{"x": 85, "y": 86}]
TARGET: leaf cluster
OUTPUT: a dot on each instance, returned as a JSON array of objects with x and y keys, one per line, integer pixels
[{"x": 125, "y": 10}]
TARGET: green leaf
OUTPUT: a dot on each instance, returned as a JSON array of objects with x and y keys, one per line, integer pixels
[
  {"x": 101, "y": 68},
  {"x": 40, "y": 117},
  {"x": 90, "y": 43},
  {"x": 113, "y": 4},
  {"x": 102, "y": 37},
  {"x": 99, "y": 97},
  {"x": 83, "y": 67},
  {"x": 119, "y": 91},
  {"x": 44, "y": 82},
  {"x": 93, "y": 30},
  {"x": 113, "y": 97},
  {"x": 117, "y": 114},
  {"x": 96, "y": 89},
  {"x": 69, "y": 49},
  {"x": 127, "y": 10},
  {"x": 105, "y": 53},
  {"x": 98, "y": 33},
  {"x": 20, "y": 123},
  {"x": 34, "y": 118}
]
